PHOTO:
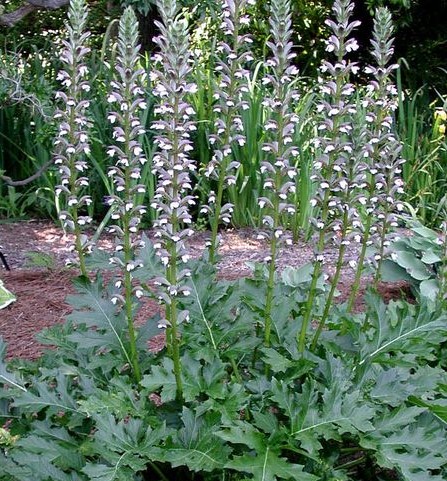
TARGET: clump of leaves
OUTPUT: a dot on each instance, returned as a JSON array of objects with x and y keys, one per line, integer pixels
[
  {"x": 370, "y": 399},
  {"x": 418, "y": 258}
]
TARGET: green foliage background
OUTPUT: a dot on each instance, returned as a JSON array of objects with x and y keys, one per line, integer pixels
[{"x": 26, "y": 136}]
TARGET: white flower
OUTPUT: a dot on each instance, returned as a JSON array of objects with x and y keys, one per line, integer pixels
[{"x": 352, "y": 45}]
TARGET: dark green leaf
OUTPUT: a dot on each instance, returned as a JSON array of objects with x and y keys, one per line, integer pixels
[
  {"x": 196, "y": 444},
  {"x": 398, "y": 327}
]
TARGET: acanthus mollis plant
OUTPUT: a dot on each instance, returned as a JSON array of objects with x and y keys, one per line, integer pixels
[
  {"x": 173, "y": 166},
  {"x": 72, "y": 139},
  {"x": 388, "y": 179},
  {"x": 381, "y": 152},
  {"x": 336, "y": 169},
  {"x": 228, "y": 128},
  {"x": 278, "y": 167},
  {"x": 127, "y": 97}
]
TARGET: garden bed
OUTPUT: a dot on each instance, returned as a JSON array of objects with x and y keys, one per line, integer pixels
[{"x": 41, "y": 289}]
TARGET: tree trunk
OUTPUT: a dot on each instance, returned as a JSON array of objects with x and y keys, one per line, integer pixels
[{"x": 10, "y": 19}]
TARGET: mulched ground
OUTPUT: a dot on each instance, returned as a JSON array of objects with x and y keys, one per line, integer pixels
[{"x": 41, "y": 292}]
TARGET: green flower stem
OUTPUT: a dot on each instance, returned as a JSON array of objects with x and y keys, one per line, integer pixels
[
  {"x": 128, "y": 298},
  {"x": 339, "y": 264},
  {"x": 360, "y": 265},
  {"x": 217, "y": 209},
  {"x": 383, "y": 233},
  {"x": 270, "y": 286},
  {"x": 301, "y": 337},
  {"x": 78, "y": 244},
  {"x": 127, "y": 246},
  {"x": 74, "y": 210},
  {"x": 172, "y": 317},
  {"x": 334, "y": 283},
  {"x": 318, "y": 265},
  {"x": 318, "y": 268},
  {"x": 276, "y": 225},
  {"x": 73, "y": 188}
]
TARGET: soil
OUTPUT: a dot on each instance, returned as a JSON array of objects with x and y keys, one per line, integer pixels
[{"x": 36, "y": 252}]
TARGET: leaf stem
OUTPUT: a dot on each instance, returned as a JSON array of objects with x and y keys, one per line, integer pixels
[
  {"x": 158, "y": 471},
  {"x": 353, "y": 463}
]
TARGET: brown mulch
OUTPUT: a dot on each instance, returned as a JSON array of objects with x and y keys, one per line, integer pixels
[{"x": 41, "y": 292}]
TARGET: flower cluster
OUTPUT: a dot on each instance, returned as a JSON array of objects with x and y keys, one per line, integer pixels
[
  {"x": 72, "y": 139},
  {"x": 229, "y": 94},
  {"x": 279, "y": 165},
  {"x": 171, "y": 161},
  {"x": 381, "y": 149},
  {"x": 335, "y": 170},
  {"x": 128, "y": 101}
]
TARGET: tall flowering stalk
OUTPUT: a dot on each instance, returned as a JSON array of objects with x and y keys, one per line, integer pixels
[
  {"x": 228, "y": 127},
  {"x": 126, "y": 97},
  {"x": 173, "y": 166},
  {"x": 381, "y": 150},
  {"x": 279, "y": 166},
  {"x": 388, "y": 179},
  {"x": 334, "y": 170},
  {"x": 72, "y": 139}
]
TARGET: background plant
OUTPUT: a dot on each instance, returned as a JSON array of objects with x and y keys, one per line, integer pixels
[
  {"x": 420, "y": 126},
  {"x": 72, "y": 140},
  {"x": 418, "y": 259},
  {"x": 228, "y": 127}
]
